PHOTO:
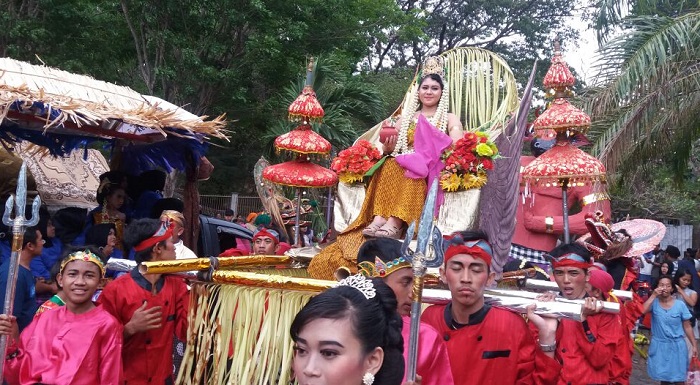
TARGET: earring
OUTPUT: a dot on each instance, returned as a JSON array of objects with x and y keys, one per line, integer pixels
[{"x": 368, "y": 379}]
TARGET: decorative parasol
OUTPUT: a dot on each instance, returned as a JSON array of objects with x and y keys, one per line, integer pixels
[
  {"x": 306, "y": 107},
  {"x": 302, "y": 142},
  {"x": 563, "y": 165},
  {"x": 300, "y": 173},
  {"x": 558, "y": 77},
  {"x": 562, "y": 115}
]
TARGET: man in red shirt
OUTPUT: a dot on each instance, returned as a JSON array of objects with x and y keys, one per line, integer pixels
[
  {"x": 584, "y": 348},
  {"x": 488, "y": 345},
  {"x": 152, "y": 307}
]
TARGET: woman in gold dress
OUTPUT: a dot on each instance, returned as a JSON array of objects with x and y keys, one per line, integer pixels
[{"x": 393, "y": 199}]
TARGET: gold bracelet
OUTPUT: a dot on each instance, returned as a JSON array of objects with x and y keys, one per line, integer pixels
[{"x": 549, "y": 224}]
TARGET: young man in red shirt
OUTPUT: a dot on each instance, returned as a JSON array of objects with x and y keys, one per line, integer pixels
[
  {"x": 488, "y": 345},
  {"x": 152, "y": 307},
  {"x": 584, "y": 348}
]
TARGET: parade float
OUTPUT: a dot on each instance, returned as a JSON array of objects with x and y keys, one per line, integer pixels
[{"x": 241, "y": 308}]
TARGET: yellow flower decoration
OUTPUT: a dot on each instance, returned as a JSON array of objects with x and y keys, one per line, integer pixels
[
  {"x": 470, "y": 181},
  {"x": 484, "y": 149},
  {"x": 450, "y": 183},
  {"x": 350, "y": 177},
  {"x": 494, "y": 149}
]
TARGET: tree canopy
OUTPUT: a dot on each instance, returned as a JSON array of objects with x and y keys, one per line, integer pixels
[{"x": 240, "y": 57}]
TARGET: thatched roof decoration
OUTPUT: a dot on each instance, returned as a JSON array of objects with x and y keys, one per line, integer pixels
[{"x": 66, "y": 101}]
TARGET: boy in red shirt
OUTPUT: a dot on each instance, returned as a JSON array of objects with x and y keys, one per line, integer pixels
[
  {"x": 152, "y": 307},
  {"x": 600, "y": 285},
  {"x": 584, "y": 348}
]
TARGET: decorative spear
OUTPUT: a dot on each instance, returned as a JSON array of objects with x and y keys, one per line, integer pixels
[
  {"x": 19, "y": 224},
  {"x": 428, "y": 254}
]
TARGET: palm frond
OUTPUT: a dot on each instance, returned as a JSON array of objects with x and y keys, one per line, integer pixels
[
  {"x": 660, "y": 123},
  {"x": 649, "y": 90},
  {"x": 643, "y": 54},
  {"x": 610, "y": 14}
]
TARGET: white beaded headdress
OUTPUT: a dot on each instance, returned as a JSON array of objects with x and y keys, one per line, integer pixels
[{"x": 359, "y": 282}]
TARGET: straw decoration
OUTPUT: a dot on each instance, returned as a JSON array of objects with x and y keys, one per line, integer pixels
[
  {"x": 248, "y": 322},
  {"x": 84, "y": 101}
]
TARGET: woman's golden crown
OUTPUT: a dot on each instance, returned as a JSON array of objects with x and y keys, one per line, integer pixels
[{"x": 434, "y": 65}]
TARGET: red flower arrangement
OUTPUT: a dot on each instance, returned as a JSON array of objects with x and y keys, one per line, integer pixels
[
  {"x": 466, "y": 162},
  {"x": 352, "y": 163}
]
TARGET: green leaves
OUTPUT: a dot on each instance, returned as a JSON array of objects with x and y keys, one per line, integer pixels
[{"x": 647, "y": 100}]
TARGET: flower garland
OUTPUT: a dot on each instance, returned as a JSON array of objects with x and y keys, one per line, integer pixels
[
  {"x": 467, "y": 161},
  {"x": 352, "y": 163}
]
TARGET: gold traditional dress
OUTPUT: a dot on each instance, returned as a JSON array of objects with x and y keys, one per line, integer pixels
[{"x": 390, "y": 193}]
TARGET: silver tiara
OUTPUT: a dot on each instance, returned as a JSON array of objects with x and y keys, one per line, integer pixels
[{"x": 359, "y": 282}]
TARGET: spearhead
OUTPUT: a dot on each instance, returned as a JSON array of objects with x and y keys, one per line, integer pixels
[{"x": 20, "y": 202}]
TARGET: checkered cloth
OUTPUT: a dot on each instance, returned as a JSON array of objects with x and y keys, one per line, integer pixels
[{"x": 528, "y": 254}]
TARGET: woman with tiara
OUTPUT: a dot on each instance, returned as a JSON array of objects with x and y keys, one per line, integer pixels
[
  {"x": 396, "y": 193},
  {"x": 349, "y": 335}
]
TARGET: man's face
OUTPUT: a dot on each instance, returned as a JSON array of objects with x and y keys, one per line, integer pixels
[
  {"x": 37, "y": 247},
  {"x": 593, "y": 292},
  {"x": 467, "y": 278},
  {"x": 571, "y": 281},
  {"x": 265, "y": 245},
  {"x": 401, "y": 282}
]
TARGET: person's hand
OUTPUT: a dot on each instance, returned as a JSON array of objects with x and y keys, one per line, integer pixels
[
  {"x": 390, "y": 143},
  {"x": 590, "y": 306},
  {"x": 546, "y": 297},
  {"x": 546, "y": 326},
  {"x": 8, "y": 326},
  {"x": 418, "y": 381},
  {"x": 144, "y": 319},
  {"x": 679, "y": 289},
  {"x": 695, "y": 351},
  {"x": 658, "y": 291}
]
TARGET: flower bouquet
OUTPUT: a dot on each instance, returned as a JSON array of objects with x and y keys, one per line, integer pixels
[
  {"x": 466, "y": 162},
  {"x": 352, "y": 163}
]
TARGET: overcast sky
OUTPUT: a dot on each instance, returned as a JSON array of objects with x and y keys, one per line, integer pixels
[{"x": 582, "y": 57}]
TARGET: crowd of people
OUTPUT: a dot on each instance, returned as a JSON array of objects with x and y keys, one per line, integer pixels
[
  {"x": 469, "y": 341},
  {"x": 70, "y": 327}
]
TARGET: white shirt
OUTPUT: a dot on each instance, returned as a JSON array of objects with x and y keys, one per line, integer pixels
[
  {"x": 645, "y": 267},
  {"x": 183, "y": 252}
]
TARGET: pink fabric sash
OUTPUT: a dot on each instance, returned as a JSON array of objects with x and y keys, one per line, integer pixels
[{"x": 429, "y": 143}]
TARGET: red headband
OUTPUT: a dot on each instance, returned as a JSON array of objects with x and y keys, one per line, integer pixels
[
  {"x": 476, "y": 249},
  {"x": 164, "y": 232},
  {"x": 570, "y": 260},
  {"x": 265, "y": 233}
]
